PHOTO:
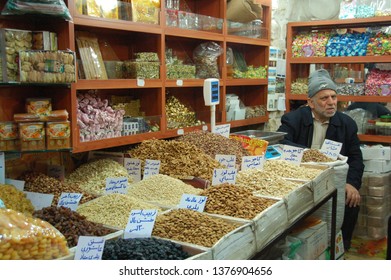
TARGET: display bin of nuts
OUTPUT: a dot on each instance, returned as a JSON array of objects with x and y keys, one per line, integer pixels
[
  {"x": 11, "y": 42},
  {"x": 227, "y": 238},
  {"x": 58, "y": 135},
  {"x": 32, "y": 136},
  {"x": 9, "y": 136},
  {"x": 47, "y": 66}
]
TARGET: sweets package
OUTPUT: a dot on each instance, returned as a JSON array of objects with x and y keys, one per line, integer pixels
[
  {"x": 47, "y": 7},
  {"x": 146, "y": 11},
  {"x": 9, "y": 136},
  {"x": 47, "y": 67},
  {"x": 91, "y": 56},
  {"x": 11, "y": 42},
  {"x": 26, "y": 238},
  {"x": 58, "y": 135},
  {"x": 96, "y": 9}
]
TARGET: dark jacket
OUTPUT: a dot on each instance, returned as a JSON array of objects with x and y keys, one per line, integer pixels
[{"x": 299, "y": 127}]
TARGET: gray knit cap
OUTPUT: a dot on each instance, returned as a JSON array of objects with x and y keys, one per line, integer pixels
[{"x": 319, "y": 80}]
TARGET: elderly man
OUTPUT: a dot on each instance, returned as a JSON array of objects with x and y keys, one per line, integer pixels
[{"x": 310, "y": 125}]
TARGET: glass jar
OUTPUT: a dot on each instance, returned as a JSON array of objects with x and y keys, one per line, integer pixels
[{"x": 370, "y": 127}]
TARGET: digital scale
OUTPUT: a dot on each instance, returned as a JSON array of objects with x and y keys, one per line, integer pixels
[
  {"x": 272, "y": 152},
  {"x": 212, "y": 98}
]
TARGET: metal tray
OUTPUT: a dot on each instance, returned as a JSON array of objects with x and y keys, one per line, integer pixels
[{"x": 271, "y": 137}]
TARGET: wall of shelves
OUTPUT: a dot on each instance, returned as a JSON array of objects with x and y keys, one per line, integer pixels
[
  {"x": 299, "y": 66},
  {"x": 126, "y": 38}
]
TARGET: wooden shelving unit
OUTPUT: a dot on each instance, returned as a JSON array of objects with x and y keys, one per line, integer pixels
[
  {"x": 295, "y": 65},
  {"x": 127, "y": 38}
]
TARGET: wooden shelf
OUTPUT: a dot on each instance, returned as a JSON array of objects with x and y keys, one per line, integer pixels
[
  {"x": 117, "y": 84},
  {"x": 375, "y": 138}
]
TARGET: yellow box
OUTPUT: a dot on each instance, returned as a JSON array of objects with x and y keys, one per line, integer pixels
[
  {"x": 32, "y": 136},
  {"x": 58, "y": 135}
]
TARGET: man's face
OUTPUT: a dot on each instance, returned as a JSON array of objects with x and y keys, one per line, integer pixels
[{"x": 323, "y": 104}]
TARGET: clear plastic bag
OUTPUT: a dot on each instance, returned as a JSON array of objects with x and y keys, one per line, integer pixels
[
  {"x": 205, "y": 57},
  {"x": 347, "y": 9},
  {"x": 27, "y": 238},
  {"x": 47, "y": 7}
]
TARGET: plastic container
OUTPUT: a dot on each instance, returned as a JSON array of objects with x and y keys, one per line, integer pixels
[
  {"x": 32, "y": 136},
  {"x": 58, "y": 135},
  {"x": 9, "y": 136},
  {"x": 39, "y": 106}
]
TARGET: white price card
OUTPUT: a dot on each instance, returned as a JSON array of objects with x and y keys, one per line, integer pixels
[
  {"x": 140, "y": 223},
  {"x": 69, "y": 200},
  {"x": 292, "y": 154},
  {"x": 89, "y": 248},
  {"x": 193, "y": 202},
  {"x": 229, "y": 161},
  {"x": 152, "y": 167},
  {"x": 2, "y": 205},
  {"x": 56, "y": 171},
  {"x": 223, "y": 129},
  {"x": 252, "y": 162},
  {"x": 221, "y": 176},
  {"x": 2, "y": 168},
  {"x": 40, "y": 200},
  {"x": 179, "y": 83},
  {"x": 133, "y": 166},
  {"x": 116, "y": 185},
  {"x": 140, "y": 82},
  {"x": 19, "y": 184},
  {"x": 331, "y": 148}
]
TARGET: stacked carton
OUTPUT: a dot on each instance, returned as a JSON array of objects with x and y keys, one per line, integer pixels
[{"x": 376, "y": 193}]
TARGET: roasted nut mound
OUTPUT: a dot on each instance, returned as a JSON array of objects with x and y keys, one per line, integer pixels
[
  {"x": 231, "y": 200},
  {"x": 112, "y": 209},
  {"x": 177, "y": 158},
  {"x": 91, "y": 176},
  {"x": 264, "y": 183},
  {"x": 71, "y": 224},
  {"x": 15, "y": 199},
  {"x": 313, "y": 155},
  {"x": 214, "y": 144},
  {"x": 26, "y": 238},
  {"x": 41, "y": 183},
  {"x": 286, "y": 169},
  {"x": 192, "y": 227},
  {"x": 161, "y": 189},
  {"x": 143, "y": 249}
]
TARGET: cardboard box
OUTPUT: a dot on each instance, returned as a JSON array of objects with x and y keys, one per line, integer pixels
[
  {"x": 314, "y": 240},
  {"x": 376, "y": 152},
  {"x": 377, "y": 166},
  {"x": 339, "y": 249}
]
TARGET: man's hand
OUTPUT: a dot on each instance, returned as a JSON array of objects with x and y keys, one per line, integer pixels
[{"x": 353, "y": 197}]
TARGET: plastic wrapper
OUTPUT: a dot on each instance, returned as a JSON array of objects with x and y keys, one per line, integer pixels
[
  {"x": 26, "y": 238},
  {"x": 146, "y": 11},
  {"x": 205, "y": 57},
  {"x": 47, "y": 7},
  {"x": 9, "y": 136},
  {"x": 58, "y": 135},
  {"x": 347, "y": 9}
]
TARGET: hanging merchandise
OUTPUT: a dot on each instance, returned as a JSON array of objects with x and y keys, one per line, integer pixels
[
  {"x": 48, "y": 7},
  {"x": 205, "y": 58}
]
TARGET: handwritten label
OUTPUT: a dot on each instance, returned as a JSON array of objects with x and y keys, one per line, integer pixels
[
  {"x": 223, "y": 129},
  {"x": 89, "y": 248},
  {"x": 252, "y": 162},
  {"x": 331, "y": 148},
  {"x": 40, "y": 200},
  {"x": 2, "y": 205},
  {"x": 140, "y": 223},
  {"x": 69, "y": 200},
  {"x": 229, "y": 161},
  {"x": 2, "y": 168},
  {"x": 193, "y": 202},
  {"x": 56, "y": 171},
  {"x": 221, "y": 176},
  {"x": 292, "y": 154},
  {"x": 117, "y": 185},
  {"x": 140, "y": 82},
  {"x": 179, "y": 83},
  {"x": 151, "y": 168},
  {"x": 19, "y": 184},
  {"x": 133, "y": 166}
]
